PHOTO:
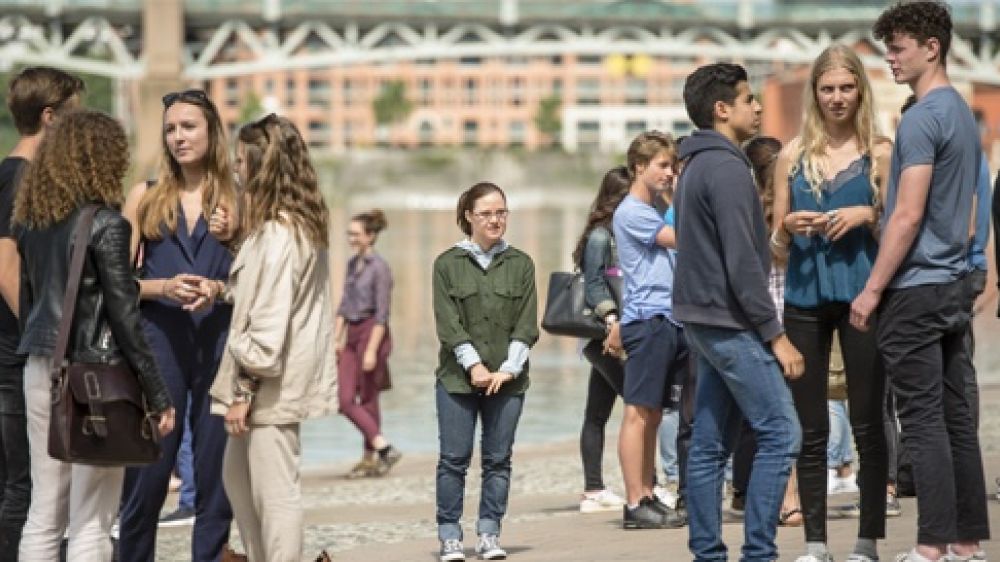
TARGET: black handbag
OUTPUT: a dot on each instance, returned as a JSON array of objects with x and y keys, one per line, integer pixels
[
  {"x": 566, "y": 310},
  {"x": 99, "y": 414}
]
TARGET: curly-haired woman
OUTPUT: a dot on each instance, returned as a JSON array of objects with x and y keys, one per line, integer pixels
[
  {"x": 273, "y": 374},
  {"x": 81, "y": 161},
  {"x": 170, "y": 232}
]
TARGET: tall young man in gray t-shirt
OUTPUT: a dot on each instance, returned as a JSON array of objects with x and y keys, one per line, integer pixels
[{"x": 918, "y": 285}]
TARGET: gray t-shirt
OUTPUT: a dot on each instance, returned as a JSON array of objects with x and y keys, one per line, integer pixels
[{"x": 939, "y": 130}]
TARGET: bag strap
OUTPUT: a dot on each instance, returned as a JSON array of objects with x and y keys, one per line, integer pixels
[{"x": 81, "y": 239}]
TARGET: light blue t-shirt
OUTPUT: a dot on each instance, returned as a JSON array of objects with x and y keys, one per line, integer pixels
[
  {"x": 984, "y": 202},
  {"x": 647, "y": 267},
  {"x": 938, "y": 130}
]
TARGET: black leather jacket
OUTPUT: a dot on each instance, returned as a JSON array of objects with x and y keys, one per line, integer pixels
[{"x": 106, "y": 324}]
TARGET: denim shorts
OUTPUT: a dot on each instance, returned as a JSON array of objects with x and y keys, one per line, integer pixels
[{"x": 657, "y": 362}]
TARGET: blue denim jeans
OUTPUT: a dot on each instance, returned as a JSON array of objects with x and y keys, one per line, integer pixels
[
  {"x": 457, "y": 414},
  {"x": 185, "y": 469},
  {"x": 838, "y": 448},
  {"x": 668, "y": 443},
  {"x": 738, "y": 377}
]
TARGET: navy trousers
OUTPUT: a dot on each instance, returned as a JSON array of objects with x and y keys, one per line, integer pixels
[{"x": 186, "y": 367}]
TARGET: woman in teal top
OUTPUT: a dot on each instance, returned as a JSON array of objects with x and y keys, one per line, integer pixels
[
  {"x": 485, "y": 315},
  {"x": 825, "y": 218}
]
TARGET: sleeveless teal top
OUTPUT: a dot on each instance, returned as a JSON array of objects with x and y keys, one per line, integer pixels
[{"x": 821, "y": 271}]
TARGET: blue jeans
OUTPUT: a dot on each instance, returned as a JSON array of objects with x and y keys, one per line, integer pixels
[
  {"x": 457, "y": 415},
  {"x": 185, "y": 469},
  {"x": 838, "y": 449},
  {"x": 668, "y": 443},
  {"x": 738, "y": 377}
]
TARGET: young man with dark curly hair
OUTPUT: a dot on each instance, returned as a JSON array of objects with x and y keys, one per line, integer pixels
[
  {"x": 35, "y": 97},
  {"x": 918, "y": 285},
  {"x": 721, "y": 296}
]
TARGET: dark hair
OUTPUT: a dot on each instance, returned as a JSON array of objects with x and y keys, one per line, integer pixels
[
  {"x": 34, "y": 89},
  {"x": 467, "y": 200},
  {"x": 921, "y": 20},
  {"x": 372, "y": 221},
  {"x": 762, "y": 153},
  {"x": 614, "y": 188},
  {"x": 707, "y": 85}
]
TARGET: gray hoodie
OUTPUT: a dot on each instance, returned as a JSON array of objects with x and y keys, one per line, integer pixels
[{"x": 723, "y": 259}]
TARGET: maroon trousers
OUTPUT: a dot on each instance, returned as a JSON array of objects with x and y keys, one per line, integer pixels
[{"x": 358, "y": 390}]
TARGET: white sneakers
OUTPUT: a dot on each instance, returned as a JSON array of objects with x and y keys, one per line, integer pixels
[
  {"x": 837, "y": 485},
  {"x": 605, "y": 500}
]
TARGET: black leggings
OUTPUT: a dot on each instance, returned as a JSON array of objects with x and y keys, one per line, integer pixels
[
  {"x": 811, "y": 332},
  {"x": 607, "y": 374}
]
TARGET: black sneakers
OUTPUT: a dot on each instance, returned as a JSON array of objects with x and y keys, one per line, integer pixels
[{"x": 651, "y": 514}]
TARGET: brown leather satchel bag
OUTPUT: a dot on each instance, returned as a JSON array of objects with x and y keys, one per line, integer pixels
[{"x": 99, "y": 415}]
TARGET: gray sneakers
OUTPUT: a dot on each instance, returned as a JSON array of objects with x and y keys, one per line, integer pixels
[
  {"x": 452, "y": 551},
  {"x": 488, "y": 548}
]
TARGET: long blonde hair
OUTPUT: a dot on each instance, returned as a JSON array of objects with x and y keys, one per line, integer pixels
[
  {"x": 158, "y": 205},
  {"x": 282, "y": 185},
  {"x": 814, "y": 138}
]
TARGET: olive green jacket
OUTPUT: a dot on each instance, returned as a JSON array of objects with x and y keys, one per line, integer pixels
[{"x": 485, "y": 308}]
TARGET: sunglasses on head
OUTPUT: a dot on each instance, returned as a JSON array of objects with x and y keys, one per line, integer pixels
[{"x": 174, "y": 97}]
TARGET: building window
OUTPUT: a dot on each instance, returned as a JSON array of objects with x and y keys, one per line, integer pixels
[
  {"x": 588, "y": 134},
  {"x": 470, "y": 61},
  {"x": 319, "y": 93},
  {"x": 517, "y": 91},
  {"x": 470, "y": 91},
  {"x": 515, "y": 133},
  {"x": 635, "y": 91},
  {"x": 347, "y": 92},
  {"x": 590, "y": 60},
  {"x": 470, "y": 132},
  {"x": 556, "y": 60},
  {"x": 681, "y": 128},
  {"x": 426, "y": 92},
  {"x": 588, "y": 91},
  {"x": 426, "y": 134},
  {"x": 348, "y": 134},
  {"x": 290, "y": 92},
  {"x": 319, "y": 134},
  {"x": 634, "y": 128},
  {"x": 557, "y": 86}
]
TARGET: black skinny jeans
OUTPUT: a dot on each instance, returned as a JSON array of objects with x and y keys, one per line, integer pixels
[
  {"x": 607, "y": 375},
  {"x": 811, "y": 332}
]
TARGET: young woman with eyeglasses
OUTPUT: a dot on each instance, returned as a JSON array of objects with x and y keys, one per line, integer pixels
[
  {"x": 826, "y": 210},
  {"x": 176, "y": 251},
  {"x": 486, "y": 319}
]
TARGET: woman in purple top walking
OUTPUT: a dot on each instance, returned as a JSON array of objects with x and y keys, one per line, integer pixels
[{"x": 363, "y": 342}]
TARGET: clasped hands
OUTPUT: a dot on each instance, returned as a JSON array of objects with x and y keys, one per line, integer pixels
[
  {"x": 193, "y": 292},
  {"x": 483, "y": 378},
  {"x": 832, "y": 224}
]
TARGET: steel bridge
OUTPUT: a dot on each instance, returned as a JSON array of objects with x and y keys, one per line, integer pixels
[{"x": 107, "y": 36}]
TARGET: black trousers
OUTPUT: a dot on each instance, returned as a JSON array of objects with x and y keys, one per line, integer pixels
[
  {"x": 15, "y": 470},
  {"x": 923, "y": 337},
  {"x": 607, "y": 375},
  {"x": 811, "y": 331}
]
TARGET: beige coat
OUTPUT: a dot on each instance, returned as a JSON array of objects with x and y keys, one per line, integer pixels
[{"x": 281, "y": 331}]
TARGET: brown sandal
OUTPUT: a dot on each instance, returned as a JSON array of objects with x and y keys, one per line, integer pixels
[{"x": 791, "y": 518}]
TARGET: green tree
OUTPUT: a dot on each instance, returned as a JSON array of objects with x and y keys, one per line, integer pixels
[
  {"x": 251, "y": 108},
  {"x": 391, "y": 104},
  {"x": 548, "y": 119}
]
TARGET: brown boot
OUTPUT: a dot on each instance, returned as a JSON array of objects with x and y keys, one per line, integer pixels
[
  {"x": 324, "y": 557},
  {"x": 230, "y": 555}
]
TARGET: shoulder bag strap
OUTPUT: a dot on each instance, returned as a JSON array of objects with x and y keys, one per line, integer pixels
[{"x": 81, "y": 239}]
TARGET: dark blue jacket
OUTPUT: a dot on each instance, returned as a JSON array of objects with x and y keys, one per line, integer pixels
[{"x": 723, "y": 259}]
